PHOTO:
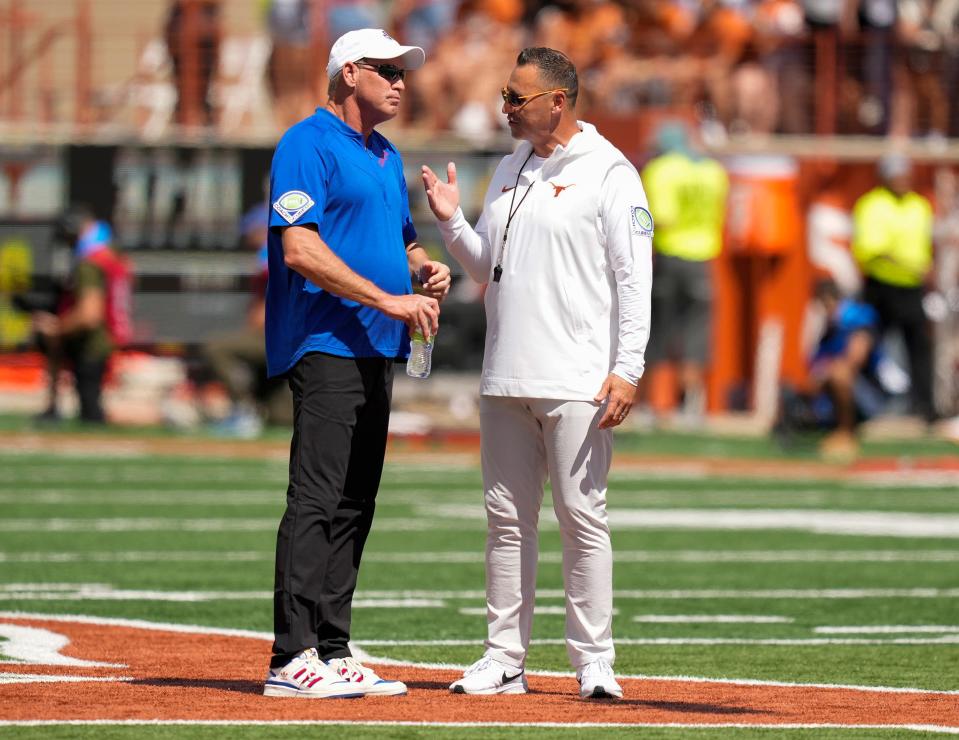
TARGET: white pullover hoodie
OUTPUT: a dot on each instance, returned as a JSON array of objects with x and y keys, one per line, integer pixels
[{"x": 572, "y": 304}]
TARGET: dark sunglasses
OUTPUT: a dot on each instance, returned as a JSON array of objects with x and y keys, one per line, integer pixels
[
  {"x": 389, "y": 72},
  {"x": 515, "y": 100}
]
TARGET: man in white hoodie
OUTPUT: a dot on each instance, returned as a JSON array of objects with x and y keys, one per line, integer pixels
[{"x": 564, "y": 243}]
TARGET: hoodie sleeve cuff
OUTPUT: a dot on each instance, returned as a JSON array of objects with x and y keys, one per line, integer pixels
[
  {"x": 451, "y": 229},
  {"x": 630, "y": 376}
]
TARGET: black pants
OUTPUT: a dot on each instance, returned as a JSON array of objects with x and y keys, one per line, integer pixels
[
  {"x": 682, "y": 303},
  {"x": 902, "y": 308},
  {"x": 88, "y": 376},
  {"x": 341, "y": 411}
]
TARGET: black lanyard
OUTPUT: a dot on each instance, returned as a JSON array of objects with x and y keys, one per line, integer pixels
[{"x": 498, "y": 270}]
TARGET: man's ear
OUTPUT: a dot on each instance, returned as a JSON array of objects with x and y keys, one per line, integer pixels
[{"x": 350, "y": 73}]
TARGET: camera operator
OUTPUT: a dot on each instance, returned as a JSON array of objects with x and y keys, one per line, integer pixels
[{"x": 91, "y": 317}]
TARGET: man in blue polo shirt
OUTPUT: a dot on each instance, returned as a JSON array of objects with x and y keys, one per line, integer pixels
[{"x": 339, "y": 310}]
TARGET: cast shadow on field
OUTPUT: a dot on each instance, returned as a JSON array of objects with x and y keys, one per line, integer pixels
[
  {"x": 678, "y": 707},
  {"x": 236, "y": 686},
  {"x": 686, "y": 707},
  {"x": 429, "y": 685}
]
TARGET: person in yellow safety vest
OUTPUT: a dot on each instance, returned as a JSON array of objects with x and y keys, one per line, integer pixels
[
  {"x": 687, "y": 197},
  {"x": 892, "y": 243}
]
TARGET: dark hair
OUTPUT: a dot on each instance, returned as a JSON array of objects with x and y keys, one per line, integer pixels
[
  {"x": 555, "y": 69},
  {"x": 827, "y": 288},
  {"x": 70, "y": 224}
]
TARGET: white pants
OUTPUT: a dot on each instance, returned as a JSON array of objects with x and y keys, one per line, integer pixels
[{"x": 524, "y": 441}]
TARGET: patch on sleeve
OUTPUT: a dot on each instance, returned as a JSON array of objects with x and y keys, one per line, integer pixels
[
  {"x": 293, "y": 204},
  {"x": 641, "y": 221}
]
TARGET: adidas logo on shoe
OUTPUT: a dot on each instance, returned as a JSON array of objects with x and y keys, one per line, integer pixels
[
  {"x": 308, "y": 677},
  {"x": 365, "y": 679}
]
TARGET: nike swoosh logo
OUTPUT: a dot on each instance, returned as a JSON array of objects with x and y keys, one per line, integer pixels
[
  {"x": 506, "y": 189},
  {"x": 510, "y": 679}
]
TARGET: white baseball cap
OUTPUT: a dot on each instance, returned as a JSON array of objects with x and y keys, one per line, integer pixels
[{"x": 372, "y": 43}]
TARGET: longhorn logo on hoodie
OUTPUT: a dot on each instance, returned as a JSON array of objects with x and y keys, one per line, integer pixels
[{"x": 560, "y": 188}]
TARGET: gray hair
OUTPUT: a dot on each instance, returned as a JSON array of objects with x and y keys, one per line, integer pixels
[{"x": 333, "y": 84}]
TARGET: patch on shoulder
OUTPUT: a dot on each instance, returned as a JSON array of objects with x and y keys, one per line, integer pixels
[
  {"x": 292, "y": 204},
  {"x": 641, "y": 221}
]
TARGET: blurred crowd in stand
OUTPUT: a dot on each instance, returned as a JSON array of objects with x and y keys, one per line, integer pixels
[
  {"x": 740, "y": 241},
  {"x": 788, "y": 66},
  {"x": 689, "y": 74}
]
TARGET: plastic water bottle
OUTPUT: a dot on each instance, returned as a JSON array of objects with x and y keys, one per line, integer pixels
[{"x": 421, "y": 352}]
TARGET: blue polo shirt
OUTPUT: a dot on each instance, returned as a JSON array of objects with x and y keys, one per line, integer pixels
[
  {"x": 850, "y": 317},
  {"x": 356, "y": 195}
]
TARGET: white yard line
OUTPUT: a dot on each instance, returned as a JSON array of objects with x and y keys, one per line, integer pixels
[
  {"x": 8, "y": 678},
  {"x": 94, "y": 591},
  {"x": 41, "y": 647},
  {"x": 146, "y": 497},
  {"x": 143, "y": 624},
  {"x": 785, "y": 594},
  {"x": 109, "y": 594},
  {"x": 839, "y": 497},
  {"x": 538, "y": 609},
  {"x": 105, "y": 592},
  {"x": 139, "y": 524},
  {"x": 98, "y": 592},
  {"x": 46, "y": 587},
  {"x": 710, "y": 619},
  {"x": 362, "y": 655},
  {"x": 679, "y": 641},
  {"x": 819, "y": 521},
  {"x": 907, "y": 479},
  {"x": 866, "y": 523},
  {"x": 202, "y": 496},
  {"x": 166, "y": 474},
  {"x": 361, "y": 603},
  {"x": 172, "y": 556},
  {"x": 888, "y": 629},
  {"x": 939, "y": 729},
  {"x": 477, "y": 556}
]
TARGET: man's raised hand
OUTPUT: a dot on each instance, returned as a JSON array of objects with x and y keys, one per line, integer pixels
[{"x": 443, "y": 197}]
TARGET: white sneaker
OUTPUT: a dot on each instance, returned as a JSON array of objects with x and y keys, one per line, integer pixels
[
  {"x": 489, "y": 676},
  {"x": 364, "y": 679},
  {"x": 308, "y": 677},
  {"x": 596, "y": 681}
]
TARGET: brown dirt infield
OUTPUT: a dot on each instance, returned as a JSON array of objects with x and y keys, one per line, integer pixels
[{"x": 187, "y": 676}]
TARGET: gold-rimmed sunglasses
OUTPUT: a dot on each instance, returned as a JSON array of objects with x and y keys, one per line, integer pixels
[{"x": 514, "y": 100}]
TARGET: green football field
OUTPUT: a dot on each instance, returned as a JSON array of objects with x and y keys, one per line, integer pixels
[{"x": 852, "y": 580}]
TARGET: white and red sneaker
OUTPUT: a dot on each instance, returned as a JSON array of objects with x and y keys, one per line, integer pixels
[
  {"x": 308, "y": 677},
  {"x": 364, "y": 679}
]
